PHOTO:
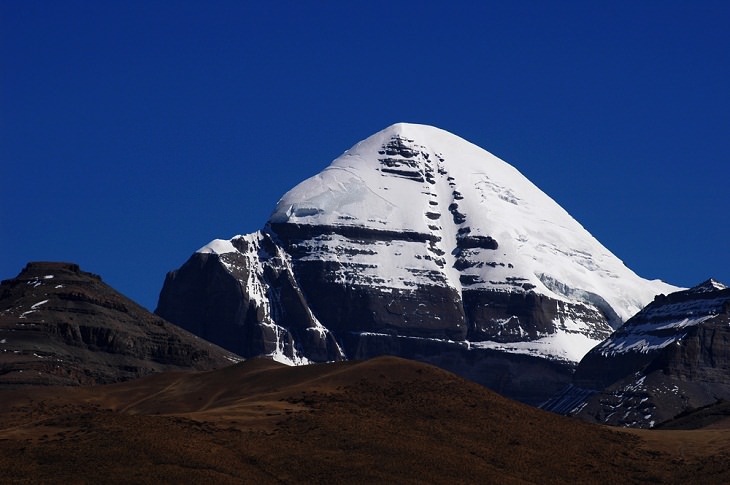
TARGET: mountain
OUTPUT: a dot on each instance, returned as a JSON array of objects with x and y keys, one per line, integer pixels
[
  {"x": 670, "y": 359},
  {"x": 415, "y": 243},
  {"x": 63, "y": 326},
  {"x": 385, "y": 420}
]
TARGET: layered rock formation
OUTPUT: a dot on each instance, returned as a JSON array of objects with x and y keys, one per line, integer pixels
[
  {"x": 672, "y": 357},
  {"x": 416, "y": 243},
  {"x": 63, "y": 326}
]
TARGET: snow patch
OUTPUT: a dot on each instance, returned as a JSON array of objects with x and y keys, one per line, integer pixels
[
  {"x": 564, "y": 346},
  {"x": 661, "y": 325},
  {"x": 217, "y": 246},
  {"x": 35, "y": 306}
]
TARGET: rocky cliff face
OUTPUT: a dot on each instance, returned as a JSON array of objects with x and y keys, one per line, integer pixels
[
  {"x": 63, "y": 326},
  {"x": 420, "y": 244},
  {"x": 672, "y": 357}
]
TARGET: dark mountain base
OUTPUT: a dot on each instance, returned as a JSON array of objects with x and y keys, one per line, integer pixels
[{"x": 203, "y": 297}]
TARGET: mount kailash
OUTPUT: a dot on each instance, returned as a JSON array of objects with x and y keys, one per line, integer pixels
[{"x": 420, "y": 244}]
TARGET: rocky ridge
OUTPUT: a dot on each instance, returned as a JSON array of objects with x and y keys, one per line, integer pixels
[
  {"x": 60, "y": 325},
  {"x": 671, "y": 358}
]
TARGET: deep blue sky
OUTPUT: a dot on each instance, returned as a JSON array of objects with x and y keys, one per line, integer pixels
[{"x": 133, "y": 132}]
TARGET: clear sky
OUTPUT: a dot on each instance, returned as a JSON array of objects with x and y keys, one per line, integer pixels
[{"x": 134, "y": 132}]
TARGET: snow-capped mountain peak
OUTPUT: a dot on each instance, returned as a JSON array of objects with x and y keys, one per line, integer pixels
[
  {"x": 420, "y": 179},
  {"x": 419, "y": 243}
]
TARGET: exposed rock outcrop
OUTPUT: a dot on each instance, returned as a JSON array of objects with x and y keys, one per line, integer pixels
[
  {"x": 63, "y": 326},
  {"x": 672, "y": 357}
]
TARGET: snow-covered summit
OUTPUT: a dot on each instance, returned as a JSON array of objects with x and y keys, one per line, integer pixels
[{"x": 421, "y": 179}]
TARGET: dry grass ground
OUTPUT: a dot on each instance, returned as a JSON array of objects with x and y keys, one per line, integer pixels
[{"x": 383, "y": 420}]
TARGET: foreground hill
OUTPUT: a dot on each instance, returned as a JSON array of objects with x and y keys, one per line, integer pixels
[
  {"x": 60, "y": 325},
  {"x": 385, "y": 420}
]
